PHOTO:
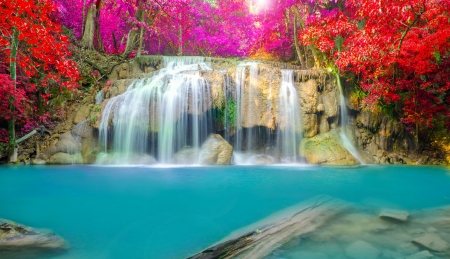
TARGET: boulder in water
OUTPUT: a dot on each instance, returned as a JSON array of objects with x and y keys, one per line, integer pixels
[
  {"x": 67, "y": 144},
  {"x": 326, "y": 149},
  {"x": 398, "y": 215},
  {"x": 65, "y": 159},
  {"x": 216, "y": 151},
  {"x": 14, "y": 236},
  {"x": 432, "y": 242}
]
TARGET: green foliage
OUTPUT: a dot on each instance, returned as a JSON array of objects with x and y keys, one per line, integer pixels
[
  {"x": 437, "y": 56},
  {"x": 93, "y": 118},
  {"x": 227, "y": 114},
  {"x": 387, "y": 108}
]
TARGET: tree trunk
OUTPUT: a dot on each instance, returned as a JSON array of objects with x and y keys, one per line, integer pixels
[
  {"x": 300, "y": 55},
  {"x": 12, "y": 122},
  {"x": 310, "y": 47},
  {"x": 87, "y": 40},
  {"x": 141, "y": 42},
  {"x": 100, "y": 46},
  {"x": 132, "y": 42},
  {"x": 82, "y": 17}
]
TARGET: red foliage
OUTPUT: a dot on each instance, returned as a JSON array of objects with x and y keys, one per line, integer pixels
[
  {"x": 400, "y": 52},
  {"x": 43, "y": 64}
]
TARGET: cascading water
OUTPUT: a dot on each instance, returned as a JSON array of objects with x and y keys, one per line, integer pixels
[
  {"x": 245, "y": 104},
  {"x": 227, "y": 96},
  {"x": 288, "y": 137},
  {"x": 344, "y": 122},
  {"x": 99, "y": 97},
  {"x": 171, "y": 107}
]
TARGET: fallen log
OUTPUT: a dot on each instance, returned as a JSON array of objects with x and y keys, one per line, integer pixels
[{"x": 260, "y": 239}]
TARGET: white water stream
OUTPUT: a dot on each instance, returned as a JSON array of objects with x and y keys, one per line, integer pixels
[
  {"x": 289, "y": 137},
  {"x": 173, "y": 103}
]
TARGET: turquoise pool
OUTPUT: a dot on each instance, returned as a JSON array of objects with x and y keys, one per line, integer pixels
[{"x": 157, "y": 212}]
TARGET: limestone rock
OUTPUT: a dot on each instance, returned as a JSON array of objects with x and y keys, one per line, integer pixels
[
  {"x": 324, "y": 126},
  {"x": 372, "y": 148},
  {"x": 421, "y": 255},
  {"x": 368, "y": 119},
  {"x": 67, "y": 143},
  {"x": 16, "y": 236},
  {"x": 309, "y": 96},
  {"x": 361, "y": 250},
  {"x": 395, "y": 215},
  {"x": 326, "y": 149},
  {"x": 38, "y": 162},
  {"x": 82, "y": 114},
  {"x": 432, "y": 242},
  {"x": 186, "y": 156},
  {"x": 320, "y": 107},
  {"x": 215, "y": 151},
  {"x": 83, "y": 130},
  {"x": 331, "y": 103},
  {"x": 65, "y": 159},
  {"x": 310, "y": 126}
]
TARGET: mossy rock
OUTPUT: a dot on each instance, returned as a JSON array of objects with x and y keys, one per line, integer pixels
[{"x": 326, "y": 149}]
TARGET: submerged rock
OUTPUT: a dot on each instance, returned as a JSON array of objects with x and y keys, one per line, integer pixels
[
  {"x": 398, "y": 215},
  {"x": 260, "y": 239},
  {"x": 216, "y": 151},
  {"x": 362, "y": 250},
  {"x": 14, "y": 236},
  {"x": 421, "y": 255},
  {"x": 432, "y": 242},
  {"x": 326, "y": 149}
]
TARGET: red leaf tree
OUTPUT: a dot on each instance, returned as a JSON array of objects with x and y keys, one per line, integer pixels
[
  {"x": 34, "y": 60},
  {"x": 399, "y": 49}
]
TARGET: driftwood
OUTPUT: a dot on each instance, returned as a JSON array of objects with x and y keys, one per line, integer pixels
[
  {"x": 40, "y": 130},
  {"x": 293, "y": 223}
]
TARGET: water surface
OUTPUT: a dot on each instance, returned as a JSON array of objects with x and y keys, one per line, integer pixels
[{"x": 174, "y": 212}]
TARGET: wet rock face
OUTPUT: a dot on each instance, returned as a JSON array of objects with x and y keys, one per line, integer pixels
[
  {"x": 325, "y": 149},
  {"x": 215, "y": 151},
  {"x": 70, "y": 146},
  {"x": 65, "y": 159},
  {"x": 14, "y": 236}
]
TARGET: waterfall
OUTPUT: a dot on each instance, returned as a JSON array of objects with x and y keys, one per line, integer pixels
[
  {"x": 171, "y": 107},
  {"x": 289, "y": 121},
  {"x": 344, "y": 122},
  {"x": 99, "y": 97},
  {"x": 226, "y": 92},
  {"x": 245, "y": 103},
  {"x": 193, "y": 61}
]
